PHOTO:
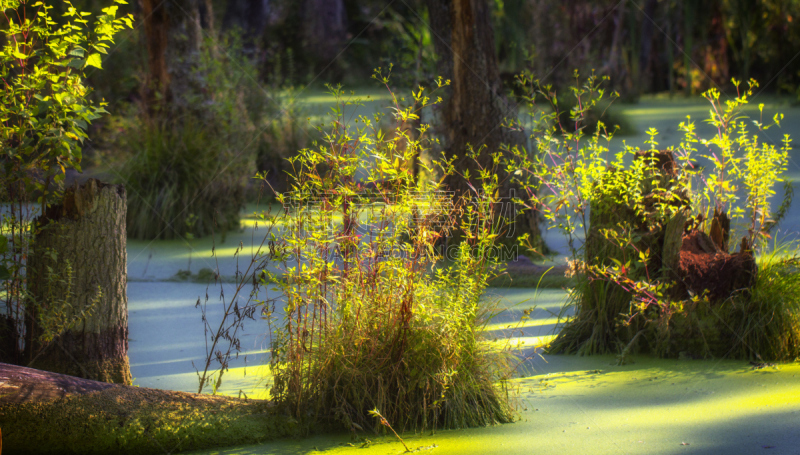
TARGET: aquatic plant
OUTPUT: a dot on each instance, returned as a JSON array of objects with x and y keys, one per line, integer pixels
[
  {"x": 633, "y": 211},
  {"x": 371, "y": 320}
]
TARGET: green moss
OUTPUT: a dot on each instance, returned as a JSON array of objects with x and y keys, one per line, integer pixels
[
  {"x": 588, "y": 405},
  {"x": 115, "y": 370},
  {"x": 141, "y": 421}
]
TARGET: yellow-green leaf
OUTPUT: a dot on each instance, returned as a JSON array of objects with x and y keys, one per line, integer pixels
[{"x": 94, "y": 60}]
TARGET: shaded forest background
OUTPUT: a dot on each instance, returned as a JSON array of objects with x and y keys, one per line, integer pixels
[
  {"x": 644, "y": 46},
  {"x": 203, "y": 82},
  {"x": 204, "y": 93}
]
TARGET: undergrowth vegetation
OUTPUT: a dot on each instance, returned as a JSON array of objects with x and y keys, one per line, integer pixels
[
  {"x": 371, "y": 321},
  {"x": 185, "y": 167},
  {"x": 182, "y": 179}
]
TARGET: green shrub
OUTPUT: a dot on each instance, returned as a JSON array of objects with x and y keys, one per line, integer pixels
[{"x": 371, "y": 321}]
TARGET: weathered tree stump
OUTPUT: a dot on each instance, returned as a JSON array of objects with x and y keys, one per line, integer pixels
[
  {"x": 649, "y": 227},
  {"x": 690, "y": 263},
  {"x": 706, "y": 268},
  {"x": 86, "y": 231}
]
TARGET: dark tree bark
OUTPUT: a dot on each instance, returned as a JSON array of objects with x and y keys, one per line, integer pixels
[
  {"x": 325, "y": 28},
  {"x": 184, "y": 42},
  {"x": 156, "y": 30},
  {"x": 613, "y": 68},
  {"x": 173, "y": 37},
  {"x": 87, "y": 231},
  {"x": 646, "y": 50},
  {"x": 689, "y": 10},
  {"x": 475, "y": 109},
  {"x": 250, "y": 17}
]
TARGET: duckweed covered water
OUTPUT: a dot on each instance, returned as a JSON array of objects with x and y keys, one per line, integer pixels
[
  {"x": 567, "y": 404},
  {"x": 587, "y": 406}
]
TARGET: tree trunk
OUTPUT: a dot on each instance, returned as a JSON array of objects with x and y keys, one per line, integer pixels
[
  {"x": 475, "y": 109},
  {"x": 670, "y": 52},
  {"x": 86, "y": 233},
  {"x": 184, "y": 42},
  {"x": 613, "y": 68},
  {"x": 689, "y": 10},
  {"x": 173, "y": 37},
  {"x": 156, "y": 27},
  {"x": 645, "y": 82}
]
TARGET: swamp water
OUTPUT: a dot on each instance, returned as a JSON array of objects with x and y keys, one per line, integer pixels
[{"x": 567, "y": 404}]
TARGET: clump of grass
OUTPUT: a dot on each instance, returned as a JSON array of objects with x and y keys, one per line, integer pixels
[
  {"x": 181, "y": 180},
  {"x": 371, "y": 322},
  {"x": 407, "y": 343},
  {"x": 186, "y": 163},
  {"x": 766, "y": 323}
]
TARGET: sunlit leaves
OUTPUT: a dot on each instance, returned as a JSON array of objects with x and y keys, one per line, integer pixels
[
  {"x": 45, "y": 107},
  {"x": 94, "y": 60}
]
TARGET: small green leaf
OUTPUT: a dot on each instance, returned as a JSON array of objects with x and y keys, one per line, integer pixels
[
  {"x": 4, "y": 273},
  {"x": 94, "y": 60}
]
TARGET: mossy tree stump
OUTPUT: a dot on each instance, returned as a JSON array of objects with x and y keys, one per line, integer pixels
[
  {"x": 643, "y": 210},
  {"x": 631, "y": 206},
  {"x": 85, "y": 233}
]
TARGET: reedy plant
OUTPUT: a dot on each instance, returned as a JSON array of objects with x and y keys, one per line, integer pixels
[
  {"x": 371, "y": 321},
  {"x": 766, "y": 324}
]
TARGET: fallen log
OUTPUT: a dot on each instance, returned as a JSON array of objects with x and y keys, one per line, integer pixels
[{"x": 50, "y": 413}]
